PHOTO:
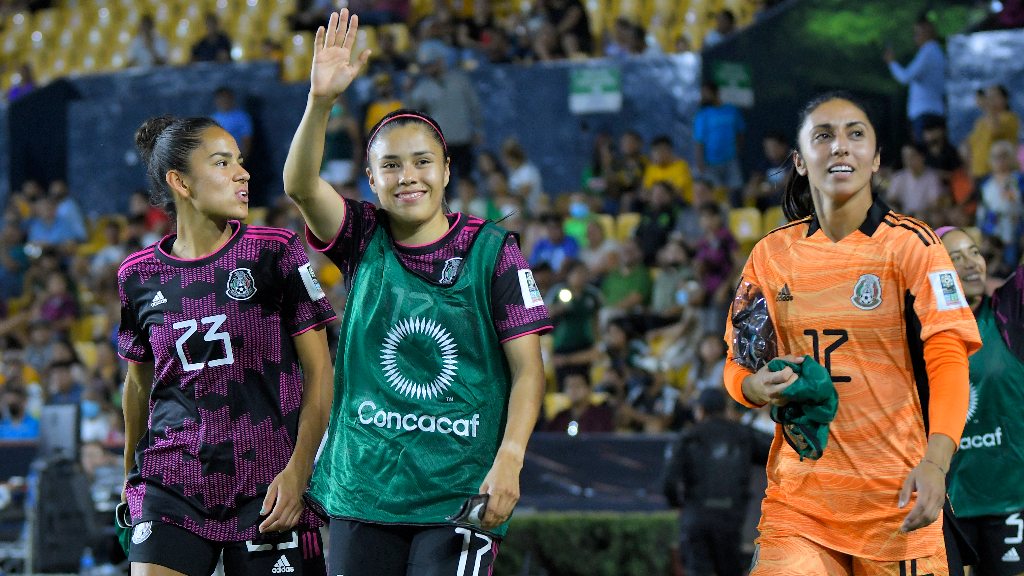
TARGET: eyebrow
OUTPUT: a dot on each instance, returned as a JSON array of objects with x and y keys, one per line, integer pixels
[
  {"x": 228, "y": 155},
  {"x": 848, "y": 124},
  {"x": 396, "y": 156}
]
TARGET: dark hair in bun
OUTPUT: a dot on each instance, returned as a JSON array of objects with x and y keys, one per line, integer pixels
[{"x": 165, "y": 143}]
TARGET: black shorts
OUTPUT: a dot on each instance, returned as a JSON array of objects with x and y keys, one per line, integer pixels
[
  {"x": 999, "y": 542},
  {"x": 297, "y": 552},
  {"x": 365, "y": 549}
]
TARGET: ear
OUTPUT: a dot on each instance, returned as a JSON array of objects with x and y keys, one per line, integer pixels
[
  {"x": 877, "y": 162},
  {"x": 798, "y": 164},
  {"x": 373, "y": 182},
  {"x": 178, "y": 184},
  {"x": 447, "y": 170}
]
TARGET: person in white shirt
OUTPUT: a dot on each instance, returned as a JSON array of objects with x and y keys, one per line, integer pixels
[{"x": 917, "y": 188}]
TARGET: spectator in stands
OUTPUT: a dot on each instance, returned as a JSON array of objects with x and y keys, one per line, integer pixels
[
  {"x": 725, "y": 24},
  {"x": 916, "y": 189},
  {"x": 579, "y": 216},
  {"x": 997, "y": 122},
  {"x": 113, "y": 251},
  {"x": 148, "y": 48},
  {"x": 383, "y": 103},
  {"x": 763, "y": 189},
  {"x": 627, "y": 173},
  {"x": 343, "y": 146},
  {"x": 68, "y": 210},
  {"x": 13, "y": 261},
  {"x": 61, "y": 386},
  {"x": 46, "y": 230},
  {"x": 310, "y": 14},
  {"x": 626, "y": 288},
  {"x": 556, "y": 247},
  {"x": 468, "y": 200},
  {"x": 94, "y": 421},
  {"x": 940, "y": 153},
  {"x": 214, "y": 46},
  {"x": 715, "y": 256},
  {"x": 657, "y": 220},
  {"x": 475, "y": 32},
  {"x": 672, "y": 286},
  {"x": 651, "y": 406},
  {"x": 574, "y": 305},
  {"x": 583, "y": 416},
  {"x": 708, "y": 478},
  {"x": 718, "y": 138},
  {"x": 24, "y": 198},
  {"x": 598, "y": 251},
  {"x": 155, "y": 222},
  {"x": 23, "y": 83},
  {"x": 925, "y": 75},
  {"x": 571, "y": 26},
  {"x": 57, "y": 306},
  {"x": 449, "y": 97},
  {"x": 387, "y": 58},
  {"x": 621, "y": 41},
  {"x": 665, "y": 166},
  {"x": 1001, "y": 211},
  {"x": 711, "y": 355},
  {"x": 40, "y": 345},
  {"x": 524, "y": 179},
  {"x": 15, "y": 421},
  {"x": 233, "y": 118}
]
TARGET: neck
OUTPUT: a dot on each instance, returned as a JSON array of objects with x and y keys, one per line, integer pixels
[
  {"x": 199, "y": 235},
  {"x": 975, "y": 303},
  {"x": 839, "y": 217},
  {"x": 420, "y": 233}
]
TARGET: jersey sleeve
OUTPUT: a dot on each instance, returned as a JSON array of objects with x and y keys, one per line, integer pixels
[
  {"x": 132, "y": 341},
  {"x": 352, "y": 237},
  {"x": 304, "y": 304},
  {"x": 938, "y": 298},
  {"x": 1008, "y": 303},
  {"x": 749, "y": 332},
  {"x": 517, "y": 305}
]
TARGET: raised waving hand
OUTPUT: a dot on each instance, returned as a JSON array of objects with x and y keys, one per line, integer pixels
[{"x": 333, "y": 66}]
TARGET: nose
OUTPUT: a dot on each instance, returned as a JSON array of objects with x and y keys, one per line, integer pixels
[
  {"x": 408, "y": 176},
  {"x": 840, "y": 145},
  {"x": 243, "y": 175}
]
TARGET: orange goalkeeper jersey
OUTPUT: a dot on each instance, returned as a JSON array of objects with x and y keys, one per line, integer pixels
[{"x": 863, "y": 308}]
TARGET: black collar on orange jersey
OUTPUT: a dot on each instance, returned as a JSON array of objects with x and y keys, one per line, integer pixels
[{"x": 871, "y": 222}]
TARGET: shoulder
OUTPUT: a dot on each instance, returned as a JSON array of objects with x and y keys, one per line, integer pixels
[
  {"x": 907, "y": 232},
  {"x": 782, "y": 237},
  {"x": 269, "y": 234},
  {"x": 136, "y": 259}
]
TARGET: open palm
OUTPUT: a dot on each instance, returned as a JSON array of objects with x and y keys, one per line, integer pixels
[{"x": 333, "y": 68}]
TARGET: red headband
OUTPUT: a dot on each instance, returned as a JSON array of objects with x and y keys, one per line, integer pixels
[{"x": 416, "y": 116}]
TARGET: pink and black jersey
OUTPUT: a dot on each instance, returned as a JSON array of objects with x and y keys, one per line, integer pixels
[
  {"x": 517, "y": 308},
  {"x": 227, "y": 387}
]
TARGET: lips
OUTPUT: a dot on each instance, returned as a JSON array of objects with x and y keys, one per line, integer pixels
[
  {"x": 243, "y": 195},
  {"x": 840, "y": 169},
  {"x": 410, "y": 195}
]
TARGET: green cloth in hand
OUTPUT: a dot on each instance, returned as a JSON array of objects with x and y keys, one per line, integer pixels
[{"x": 812, "y": 405}]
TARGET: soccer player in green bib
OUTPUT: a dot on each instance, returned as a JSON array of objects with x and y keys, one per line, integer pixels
[
  {"x": 438, "y": 378},
  {"x": 986, "y": 476}
]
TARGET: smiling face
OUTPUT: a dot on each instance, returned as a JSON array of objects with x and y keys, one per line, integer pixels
[
  {"x": 408, "y": 172},
  {"x": 838, "y": 151},
  {"x": 216, "y": 184},
  {"x": 968, "y": 261}
]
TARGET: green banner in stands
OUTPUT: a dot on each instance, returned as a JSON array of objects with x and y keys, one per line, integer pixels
[
  {"x": 596, "y": 89},
  {"x": 734, "y": 83}
]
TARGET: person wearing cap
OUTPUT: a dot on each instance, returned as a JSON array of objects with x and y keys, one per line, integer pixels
[
  {"x": 708, "y": 478},
  {"x": 986, "y": 476}
]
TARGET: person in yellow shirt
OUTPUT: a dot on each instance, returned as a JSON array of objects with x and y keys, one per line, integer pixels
[
  {"x": 997, "y": 122},
  {"x": 666, "y": 166},
  {"x": 384, "y": 104}
]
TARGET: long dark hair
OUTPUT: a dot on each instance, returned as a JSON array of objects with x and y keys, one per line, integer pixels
[
  {"x": 797, "y": 202},
  {"x": 165, "y": 143}
]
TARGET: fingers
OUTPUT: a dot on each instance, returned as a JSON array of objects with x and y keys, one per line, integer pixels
[
  {"x": 332, "y": 30},
  {"x": 284, "y": 515},
  {"x": 351, "y": 27},
  {"x": 270, "y": 500},
  {"x": 929, "y": 502},
  {"x": 499, "y": 508}
]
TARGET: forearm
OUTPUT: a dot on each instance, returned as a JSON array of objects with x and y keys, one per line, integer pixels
[
  {"x": 317, "y": 397},
  {"x": 306, "y": 152},
  {"x": 523, "y": 409},
  {"x": 135, "y": 405},
  {"x": 940, "y": 451}
]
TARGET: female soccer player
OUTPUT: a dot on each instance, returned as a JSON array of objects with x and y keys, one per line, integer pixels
[
  {"x": 439, "y": 378},
  {"x": 226, "y": 398},
  {"x": 986, "y": 481},
  {"x": 873, "y": 297}
]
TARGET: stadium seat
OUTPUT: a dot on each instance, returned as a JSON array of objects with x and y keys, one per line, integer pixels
[
  {"x": 625, "y": 224},
  {"x": 607, "y": 222},
  {"x": 745, "y": 225},
  {"x": 773, "y": 218}
]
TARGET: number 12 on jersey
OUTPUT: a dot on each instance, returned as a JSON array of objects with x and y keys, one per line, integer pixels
[
  {"x": 842, "y": 336},
  {"x": 212, "y": 335}
]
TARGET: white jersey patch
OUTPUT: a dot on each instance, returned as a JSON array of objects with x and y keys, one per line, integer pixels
[
  {"x": 948, "y": 294},
  {"x": 531, "y": 292},
  {"x": 309, "y": 280}
]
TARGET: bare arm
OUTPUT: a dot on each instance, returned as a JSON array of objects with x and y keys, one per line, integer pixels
[
  {"x": 502, "y": 481},
  {"x": 135, "y": 404},
  {"x": 332, "y": 71},
  {"x": 284, "y": 495}
]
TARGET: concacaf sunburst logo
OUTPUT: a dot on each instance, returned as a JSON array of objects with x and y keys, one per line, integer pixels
[
  {"x": 972, "y": 403},
  {"x": 419, "y": 358}
]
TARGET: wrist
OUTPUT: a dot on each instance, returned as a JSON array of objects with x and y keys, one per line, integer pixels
[{"x": 944, "y": 470}]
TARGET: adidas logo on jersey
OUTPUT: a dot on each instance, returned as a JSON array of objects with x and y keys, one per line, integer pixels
[
  {"x": 784, "y": 294},
  {"x": 282, "y": 566},
  {"x": 158, "y": 299},
  {"x": 1011, "y": 556}
]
